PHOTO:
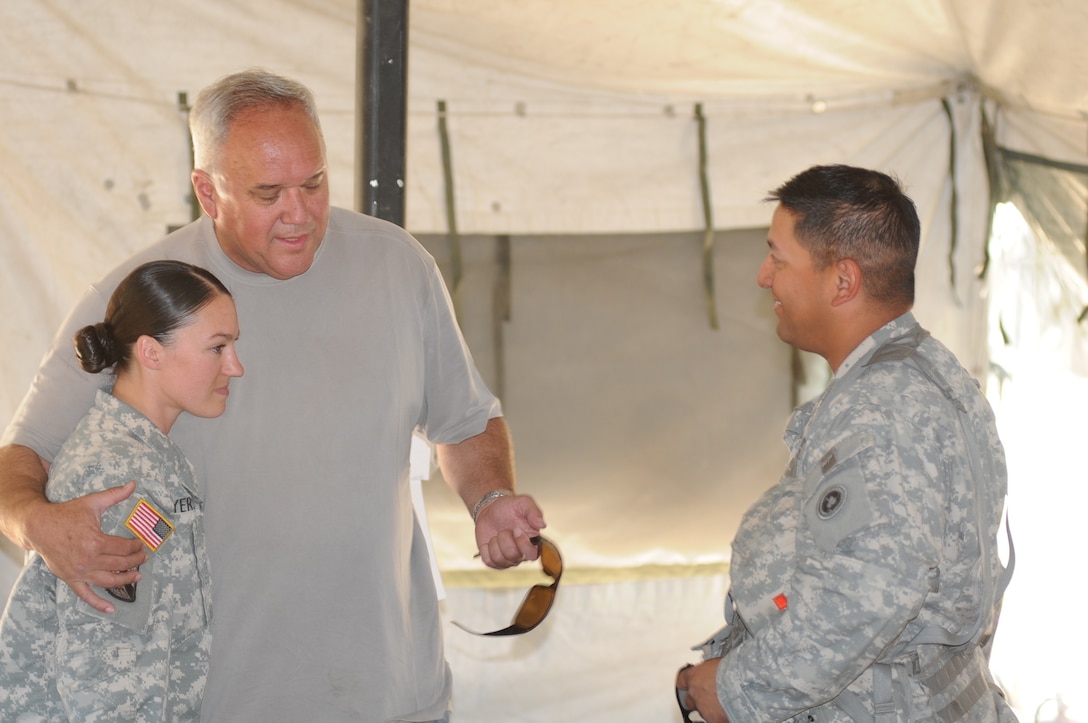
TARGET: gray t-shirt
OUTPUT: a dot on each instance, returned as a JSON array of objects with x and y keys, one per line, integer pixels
[{"x": 325, "y": 605}]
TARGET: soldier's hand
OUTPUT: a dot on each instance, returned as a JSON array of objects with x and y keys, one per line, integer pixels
[
  {"x": 700, "y": 682},
  {"x": 69, "y": 538}
]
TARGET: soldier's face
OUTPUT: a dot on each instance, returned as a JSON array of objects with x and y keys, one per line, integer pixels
[
  {"x": 199, "y": 361},
  {"x": 802, "y": 293}
]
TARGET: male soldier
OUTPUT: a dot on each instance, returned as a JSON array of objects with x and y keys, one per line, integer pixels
[{"x": 866, "y": 583}]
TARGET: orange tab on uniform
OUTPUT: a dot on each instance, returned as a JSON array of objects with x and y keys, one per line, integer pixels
[{"x": 780, "y": 601}]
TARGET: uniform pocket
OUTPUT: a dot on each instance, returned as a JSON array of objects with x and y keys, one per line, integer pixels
[
  {"x": 94, "y": 672},
  {"x": 105, "y": 671},
  {"x": 134, "y": 615},
  {"x": 839, "y": 503}
]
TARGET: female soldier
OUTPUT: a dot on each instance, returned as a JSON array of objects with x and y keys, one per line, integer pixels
[{"x": 168, "y": 337}]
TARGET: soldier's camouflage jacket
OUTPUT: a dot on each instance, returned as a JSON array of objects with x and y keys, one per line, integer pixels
[
  {"x": 869, "y": 544},
  {"x": 62, "y": 660}
]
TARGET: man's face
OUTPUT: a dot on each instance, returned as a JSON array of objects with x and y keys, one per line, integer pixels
[
  {"x": 269, "y": 195},
  {"x": 802, "y": 293}
]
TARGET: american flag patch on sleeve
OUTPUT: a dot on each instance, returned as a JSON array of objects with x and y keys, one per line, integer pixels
[{"x": 149, "y": 525}]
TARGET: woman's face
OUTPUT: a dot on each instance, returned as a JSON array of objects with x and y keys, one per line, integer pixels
[{"x": 197, "y": 365}]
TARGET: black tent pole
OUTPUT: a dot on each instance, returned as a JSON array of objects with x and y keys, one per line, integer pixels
[{"x": 381, "y": 99}]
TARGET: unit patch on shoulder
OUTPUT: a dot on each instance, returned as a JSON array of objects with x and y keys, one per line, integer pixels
[
  {"x": 831, "y": 502},
  {"x": 149, "y": 525},
  {"x": 125, "y": 593}
]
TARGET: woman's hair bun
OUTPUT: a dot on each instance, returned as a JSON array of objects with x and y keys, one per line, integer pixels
[{"x": 95, "y": 347}]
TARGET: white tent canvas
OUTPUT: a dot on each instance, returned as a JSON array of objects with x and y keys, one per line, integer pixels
[{"x": 642, "y": 430}]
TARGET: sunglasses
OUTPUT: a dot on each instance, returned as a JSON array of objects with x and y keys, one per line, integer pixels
[
  {"x": 681, "y": 698},
  {"x": 538, "y": 601}
]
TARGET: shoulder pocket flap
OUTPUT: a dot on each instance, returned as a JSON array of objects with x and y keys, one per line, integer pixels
[{"x": 839, "y": 504}]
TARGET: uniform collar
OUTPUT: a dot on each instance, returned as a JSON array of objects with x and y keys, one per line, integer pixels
[{"x": 894, "y": 329}]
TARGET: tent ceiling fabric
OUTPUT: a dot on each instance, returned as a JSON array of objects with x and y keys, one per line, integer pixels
[
  {"x": 627, "y": 73},
  {"x": 564, "y": 116},
  {"x": 755, "y": 49}
]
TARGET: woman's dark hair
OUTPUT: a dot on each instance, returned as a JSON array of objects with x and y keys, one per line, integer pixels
[{"x": 155, "y": 299}]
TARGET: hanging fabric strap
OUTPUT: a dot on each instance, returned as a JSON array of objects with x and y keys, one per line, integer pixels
[
  {"x": 501, "y": 311},
  {"x": 708, "y": 222},
  {"x": 953, "y": 204},
  {"x": 451, "y": 211}
]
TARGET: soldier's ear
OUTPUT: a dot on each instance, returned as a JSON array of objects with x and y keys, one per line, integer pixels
[
  {"x": 147, "y": 352},
  {"x": 847, "y": 281}
]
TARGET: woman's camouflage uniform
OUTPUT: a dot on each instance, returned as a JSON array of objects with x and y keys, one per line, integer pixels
[{"x": 62, "y": 660}]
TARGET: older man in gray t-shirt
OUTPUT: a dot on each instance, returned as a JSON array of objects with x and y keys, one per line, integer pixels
[{"x": 325, "y": 608}]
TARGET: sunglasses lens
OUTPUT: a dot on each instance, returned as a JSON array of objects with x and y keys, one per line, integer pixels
[
  {"x": 550, "y": 559},
  {"x": 539, "y": 599},
  {"x": 535, "y": 607}
]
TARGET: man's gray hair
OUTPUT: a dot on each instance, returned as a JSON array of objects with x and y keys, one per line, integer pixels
[{"x": 220, "y": 103}]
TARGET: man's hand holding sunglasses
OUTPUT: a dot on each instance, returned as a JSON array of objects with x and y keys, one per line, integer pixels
[
  {"x": 697, "y": 690},
  {"x": 507, "y": 526}
]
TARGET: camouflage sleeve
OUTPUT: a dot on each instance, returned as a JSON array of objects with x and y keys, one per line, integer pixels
[
  {"x": 868, "y": 530},
  {"x": 97, "y": 457}
]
